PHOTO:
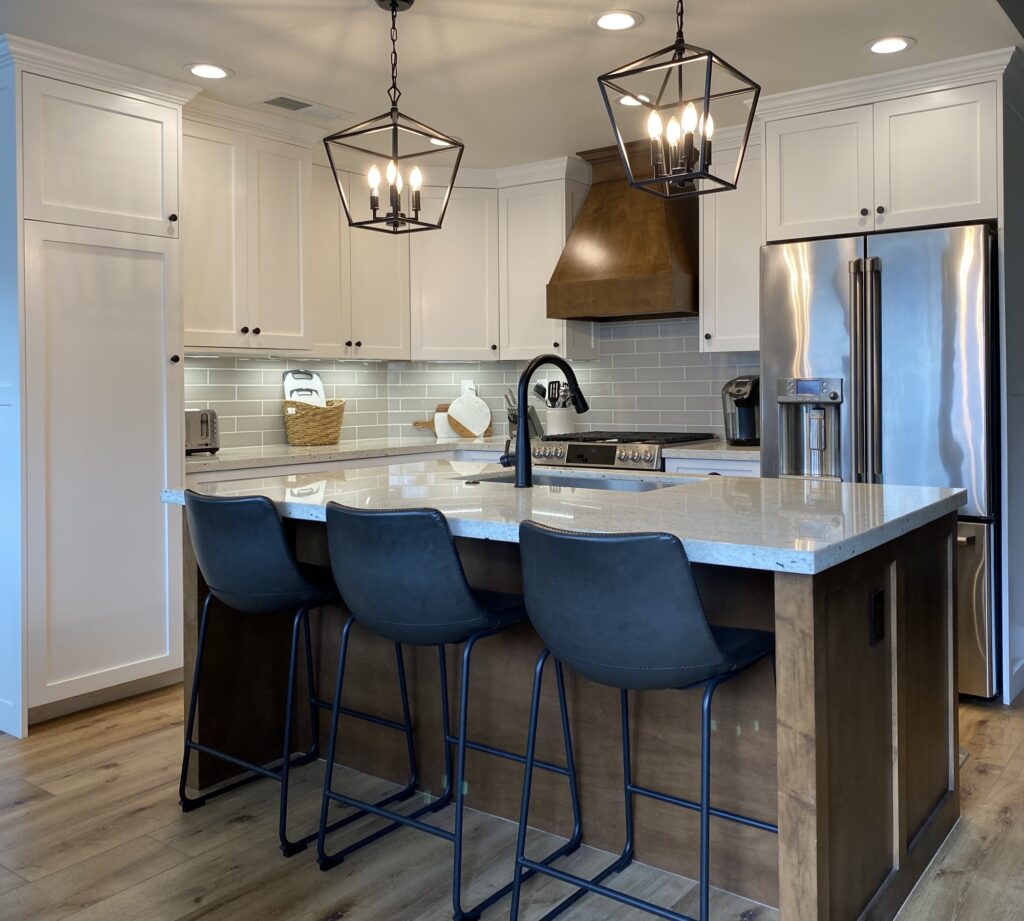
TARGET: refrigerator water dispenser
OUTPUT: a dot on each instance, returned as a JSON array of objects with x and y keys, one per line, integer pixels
[{"x": 809, "y": 427}]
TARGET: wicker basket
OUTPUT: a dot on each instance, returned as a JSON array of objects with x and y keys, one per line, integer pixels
[{"x": 313, "y": 425}]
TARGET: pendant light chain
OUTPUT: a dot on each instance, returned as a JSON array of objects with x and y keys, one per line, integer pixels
[
  {"x": 394, "y": 92},
  {"x": 679, "y": 22}
]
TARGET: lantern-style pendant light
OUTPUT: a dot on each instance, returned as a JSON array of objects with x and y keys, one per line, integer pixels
[
  {"x": 660, "y": 108},
  {"x": 402, "y": 170}
]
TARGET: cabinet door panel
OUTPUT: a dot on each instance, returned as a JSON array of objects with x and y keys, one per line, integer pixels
[
  {"x": 819, "y": 174},
  {"x": 329, "y": 293},
  {"x": 104, "y": 605},
  {"x": 214, "y": 269},
  {"x": 916, "y": 182},
  {"x": 454, "y": 280},
  {"x": 278, "y": 216},
  {"x": 96, "y": 159},
  {"x": 533, "y": 224},
  {"x": 730, "y": 271}
]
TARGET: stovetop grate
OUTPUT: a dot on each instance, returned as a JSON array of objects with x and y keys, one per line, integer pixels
[{"x": 627, "y": 438}]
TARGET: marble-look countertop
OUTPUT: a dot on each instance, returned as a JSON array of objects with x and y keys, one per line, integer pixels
[{"x": 800, "y": 526}]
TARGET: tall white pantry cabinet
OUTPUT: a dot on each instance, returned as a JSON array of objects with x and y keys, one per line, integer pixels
[{"x": 90, "y": 378}]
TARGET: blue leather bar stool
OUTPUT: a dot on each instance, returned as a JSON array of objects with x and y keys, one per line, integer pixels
[
  {"x": 400, "y": 575},
  {"x": 245, "y": 558},
  {"x": 623, "y": 610}
]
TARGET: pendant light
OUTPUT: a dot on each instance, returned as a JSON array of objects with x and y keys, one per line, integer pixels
[
  {"x": 660, "y": 107},
  {"x": 393, "y": 158}
]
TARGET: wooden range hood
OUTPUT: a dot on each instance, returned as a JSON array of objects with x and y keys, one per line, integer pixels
[{"x": 630, "y": 254}]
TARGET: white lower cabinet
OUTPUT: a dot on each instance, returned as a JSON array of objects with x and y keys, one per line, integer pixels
[
  {"x": 731, "y": 236},
  {"x": 454, "y": 280},
  {"x": 103, "y": 437},
  {"x": 728, "y": 467}
]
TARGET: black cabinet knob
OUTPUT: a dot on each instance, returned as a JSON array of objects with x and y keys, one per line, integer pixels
[
  {"x": 880, "y": 209},
  {"x": 348, "y": 342},
  {"x": 494, "y": 348},
  {"x": 555, "y": 345},
  {"x": 173, "y": 218},
  {"x": 864, "y": 212},
  {"x": 245, "y": 329},
  {"x": 256, "y": 330},
  {"x": 359, "y": 343},
  {"x": 175, "y": 359},
  {"x": 707, "y": 335}
]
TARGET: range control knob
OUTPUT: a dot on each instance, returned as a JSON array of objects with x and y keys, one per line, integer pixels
[
  {"x": 621, "y": 456},
  {"x": 648, "y": 455},
  {"x": 536, "y": 452},
  {"x": 559, "y": 453},
  {"x": 634, "y": 455}
]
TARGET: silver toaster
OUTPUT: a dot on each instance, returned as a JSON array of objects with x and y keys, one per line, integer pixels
[{"x": 202, "y": 436}]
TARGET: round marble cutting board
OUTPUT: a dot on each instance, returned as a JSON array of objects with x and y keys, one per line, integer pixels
[{"x": 471, "y": 413}]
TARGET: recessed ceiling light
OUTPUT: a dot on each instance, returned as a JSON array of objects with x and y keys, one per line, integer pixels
[
  {"x": 617, "y": 20},
  {"x": 209, "y": 71},
  {"x": 636, "y": 100},
  {"x": 891, "y": 44}
]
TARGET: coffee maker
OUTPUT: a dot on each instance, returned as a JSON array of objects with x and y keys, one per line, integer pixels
[{"x": 741, "y": 403}]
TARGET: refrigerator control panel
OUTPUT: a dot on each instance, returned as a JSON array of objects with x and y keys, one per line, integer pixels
[{"x": 810, "y": 390}]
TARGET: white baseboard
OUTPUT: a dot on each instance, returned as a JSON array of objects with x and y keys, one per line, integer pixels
[{"x": 50, "y": 711}]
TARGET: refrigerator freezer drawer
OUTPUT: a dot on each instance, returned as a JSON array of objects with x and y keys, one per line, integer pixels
[{"x": 976, "y": 626}]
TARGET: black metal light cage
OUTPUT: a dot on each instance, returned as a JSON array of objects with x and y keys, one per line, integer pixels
[
  {"x": 396, "y": 138},
  {"x": 663, "y": 73}
]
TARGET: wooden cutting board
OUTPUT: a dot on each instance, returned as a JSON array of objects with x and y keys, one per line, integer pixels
[
  {"x": 469, "y": 415},
  {"x": 459, "y": 430}
]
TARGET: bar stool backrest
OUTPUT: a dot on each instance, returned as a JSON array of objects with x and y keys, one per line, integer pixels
[
  {"x": 243, "y": 553},
  {"x": 399, "y": 573},
  {"x": 620, "y": 609}
]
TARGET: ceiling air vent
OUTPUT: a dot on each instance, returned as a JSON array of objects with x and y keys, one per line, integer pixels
[{"x": 286, "y": 102}]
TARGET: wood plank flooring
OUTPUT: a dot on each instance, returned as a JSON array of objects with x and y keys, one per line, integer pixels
[{"x": 90, "y": 830}]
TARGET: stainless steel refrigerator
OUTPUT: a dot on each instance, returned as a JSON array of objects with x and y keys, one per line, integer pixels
[{"x": 880, "y": 349}]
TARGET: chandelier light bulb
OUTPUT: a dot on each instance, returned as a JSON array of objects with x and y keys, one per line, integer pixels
[
  {"x": 709, "y": 126},
  {"x": 373, "y": 177},
  {"x": 398, "y": 181},
  {"x": 672, "y": 131},
  {"x": 416, "y": 179},
  {"x": 689, "y": 118},
  {"x": 654, "y": 126},
  {"x": 391, "y": 172}
]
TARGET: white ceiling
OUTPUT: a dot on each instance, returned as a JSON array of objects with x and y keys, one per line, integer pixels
[{"x": 515, "y": 79}]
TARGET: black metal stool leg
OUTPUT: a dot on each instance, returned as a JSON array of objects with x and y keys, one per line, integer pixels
[
  {"x": 705, "y": 795},
  {"x": 288, "y": 848},
  {"x": 314, "y": 708},
  {"x": 323, "y": 858},
  {"x": 570, "y": 762},
  {"x": 189, "y": 803}
]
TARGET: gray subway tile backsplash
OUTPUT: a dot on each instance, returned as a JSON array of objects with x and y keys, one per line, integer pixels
[{"x": 650, "y": 375}]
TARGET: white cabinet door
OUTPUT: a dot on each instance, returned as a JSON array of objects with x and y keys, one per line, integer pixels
[
  {"x": 328, "y": 295},
  {"x": 104, "y": 436},
  {"x": 730, "y": 245},
  {"x": 214, "y": 237},
  {"x": 380, "y": 287},
  {"x": 278, "y": 217},
  {"x": 454, "y": 280},
  {"x": 533, "y": 230},
  {"x": 936, "y": 158},
  {"x": 698, "y": 467},
  {"x": 819, "y": 174},
  {"x": 96, "y": 159}
]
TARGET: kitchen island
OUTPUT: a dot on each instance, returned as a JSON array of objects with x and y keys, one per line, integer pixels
[{"x": 853, "y": 751}]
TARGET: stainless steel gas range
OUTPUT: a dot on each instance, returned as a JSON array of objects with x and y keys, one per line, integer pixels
[{"x": 618, "y": 450}]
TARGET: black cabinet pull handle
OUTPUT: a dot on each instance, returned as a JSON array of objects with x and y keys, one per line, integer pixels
[
  {"x": 245, "y": 329},
  {"x": 348, "y": 342},
  {"x": 359, "y": 343},
  {"x": 555, "y": 344},
  {"x": 494, "y": 348},
  {"x": 880, "y": 209},
  {"x": 175, "y": 359},
  {"x": 255, "y": 330},
  {"x": 173, "y": 218},
  {"x": 707, "y": 335},
  {"x": 864, "y": 212}
]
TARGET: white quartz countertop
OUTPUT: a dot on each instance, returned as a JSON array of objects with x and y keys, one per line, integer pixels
[
  {"x": 285, "y": 455},
  {"x": 800, "y": 526}
]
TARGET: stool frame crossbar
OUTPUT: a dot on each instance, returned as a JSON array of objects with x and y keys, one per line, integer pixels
[
  {"x": 453, "y": 792},
  {"x": 526, "y": 866}
]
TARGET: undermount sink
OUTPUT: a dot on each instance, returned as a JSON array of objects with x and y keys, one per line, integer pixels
[{"x": 578, "y": 481}]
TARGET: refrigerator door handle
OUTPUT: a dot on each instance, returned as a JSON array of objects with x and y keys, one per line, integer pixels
[
  {"x": 858, "y": 424},
  {"x": 873, "y": 362}
]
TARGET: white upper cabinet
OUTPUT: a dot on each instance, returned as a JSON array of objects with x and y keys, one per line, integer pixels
[
  {"x": 97, "y": 159},
  {"x": 535, "y": 220},
  {"x": 935, "y": 158},
  {"x": 913, "y": 161},
  {"x": 380, "y": 294},
  {"x": 214, "y": 236},
  {"x": 328, "y": 294},
  {"x": 730, "y": 243},
  {"x": 278, "y": 209},
  {"x": 819, "y": 173},
  {"x": 454, "y": 280}
]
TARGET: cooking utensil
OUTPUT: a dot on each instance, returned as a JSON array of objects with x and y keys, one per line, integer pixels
[
  {"x": 541, "y": 392},
  {"x": 554, "y": 388}
]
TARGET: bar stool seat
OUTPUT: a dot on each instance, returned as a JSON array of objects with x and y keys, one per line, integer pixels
[{"x": 624, "y": 610}]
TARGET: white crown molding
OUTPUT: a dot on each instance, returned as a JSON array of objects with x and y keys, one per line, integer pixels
[
  {"x": 264, "y": 124},
  {"x": 49, "y": 61},
  {"x": 571, "y": 168},
  {"x": 941, "y": 75},
  {"x": 731, "y": 137}
]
